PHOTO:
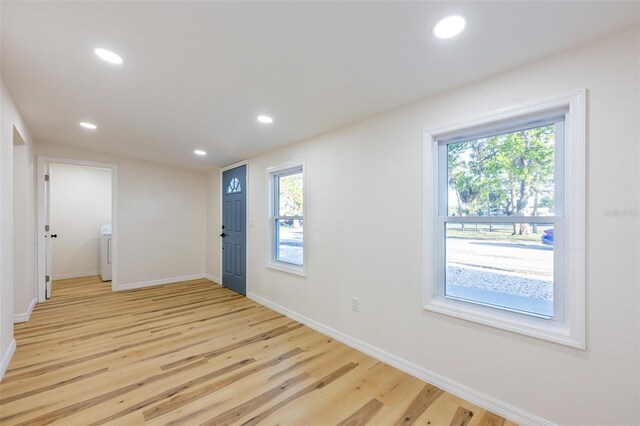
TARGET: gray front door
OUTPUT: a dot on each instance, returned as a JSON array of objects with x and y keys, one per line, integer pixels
[{"x": 234, "y": 213}]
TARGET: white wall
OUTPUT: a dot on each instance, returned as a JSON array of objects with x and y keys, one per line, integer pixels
[
  {"x": 80, "y": 205},
  {"x": 160, "y": 215},
  {"x": 363, "y": 238},
  {"x": 17, "y": 285}
]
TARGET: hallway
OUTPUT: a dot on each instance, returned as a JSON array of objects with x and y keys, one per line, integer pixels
[{"x": 197, "y": 353}]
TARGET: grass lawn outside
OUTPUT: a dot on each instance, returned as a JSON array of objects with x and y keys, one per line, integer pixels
[{"x": 499, "y": 233}]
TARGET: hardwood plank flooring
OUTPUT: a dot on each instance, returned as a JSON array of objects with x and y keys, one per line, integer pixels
[{"x": 195, "y": 353}]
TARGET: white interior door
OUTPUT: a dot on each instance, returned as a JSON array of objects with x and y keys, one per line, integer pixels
[{"x": 47, "y": 234}]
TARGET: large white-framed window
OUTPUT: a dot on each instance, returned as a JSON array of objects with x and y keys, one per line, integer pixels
[
  {"x": 504, "y": 219},
  {"x": 286, "y": 218}
]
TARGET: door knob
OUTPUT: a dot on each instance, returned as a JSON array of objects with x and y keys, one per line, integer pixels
[
  {"x": 54, "y": 235},
  {"x": 223, "y": 235}
]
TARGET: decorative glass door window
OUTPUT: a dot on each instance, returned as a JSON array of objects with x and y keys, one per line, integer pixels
[{"x": 234, "y": 186}]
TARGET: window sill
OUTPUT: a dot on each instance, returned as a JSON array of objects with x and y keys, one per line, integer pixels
[
  {"x": 283, "y": 267},
  {"x": 519, "y": 323}
]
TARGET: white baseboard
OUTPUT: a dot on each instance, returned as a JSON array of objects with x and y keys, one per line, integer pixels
[
  {"x": 172, "y": 280},
  {"x": 74, "y": 275},
  {"x": 24, "y": 317},
  {"x": 482, "y": 400},
  {"x": 6, "y": 358},
  {"x": 214, "y": 279}
]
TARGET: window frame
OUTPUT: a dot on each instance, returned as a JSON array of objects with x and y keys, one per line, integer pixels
[
  {"x": 567, "y": 326},
  {"x": 273, "y": 174}
]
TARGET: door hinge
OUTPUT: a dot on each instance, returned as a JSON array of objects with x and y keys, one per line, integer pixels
[
  {"x": 47, "y": 278},
  {"x": 46, "y": 178},
  {"x": 46, "y": 228}
]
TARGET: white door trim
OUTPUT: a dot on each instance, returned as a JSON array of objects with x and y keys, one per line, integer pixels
[
  {"x": 41, "y": 269},
  {"x": 246, "y": 217}
]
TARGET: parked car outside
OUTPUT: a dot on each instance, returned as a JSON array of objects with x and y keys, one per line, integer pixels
[{"x": 547, "y": 237}]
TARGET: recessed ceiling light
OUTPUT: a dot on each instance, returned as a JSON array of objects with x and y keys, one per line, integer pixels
[
  {"x": 87, "y": 125},
  {"x": 109, "y": 56},
  {"x": 265, "y": 119},
  {"x": 449, "y": 27},
  {"x": 199, "y": 152}
]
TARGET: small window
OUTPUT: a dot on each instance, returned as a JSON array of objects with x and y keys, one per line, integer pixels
[
  {"x": 287, "y": 219},
  {"x": 234, "y": 186},
  {"x": 504, "y": 186}
]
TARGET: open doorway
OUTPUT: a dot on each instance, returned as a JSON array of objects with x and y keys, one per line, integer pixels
[
  {"x": 24, "y": 290},
  {"x": 77, "y": 222}
]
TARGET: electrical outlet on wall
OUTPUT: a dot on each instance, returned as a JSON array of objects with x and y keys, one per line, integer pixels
[{"x": 355, "y": 304}]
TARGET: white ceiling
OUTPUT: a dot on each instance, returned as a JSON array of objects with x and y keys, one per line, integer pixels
[{"x": 196, "y": 75}]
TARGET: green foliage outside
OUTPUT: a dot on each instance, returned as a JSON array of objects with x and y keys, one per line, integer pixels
[
  {"x": 504, "y": 175},
  {"x": 291, "y": 195}
]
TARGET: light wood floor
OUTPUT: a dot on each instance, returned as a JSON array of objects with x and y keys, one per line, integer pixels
[{"x": 195, "y": 353}]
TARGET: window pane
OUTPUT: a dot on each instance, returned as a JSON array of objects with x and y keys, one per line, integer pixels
[
  {"x": 504, "y": 175},
  {"x": 290, "y": 195},
  {"x": 234, "y": 186},
  {"x": 490, "y": 264},
  {"x": 289, "y": 240}
]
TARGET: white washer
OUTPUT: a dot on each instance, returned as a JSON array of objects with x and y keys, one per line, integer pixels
[{"x": 105, "y": 252}]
